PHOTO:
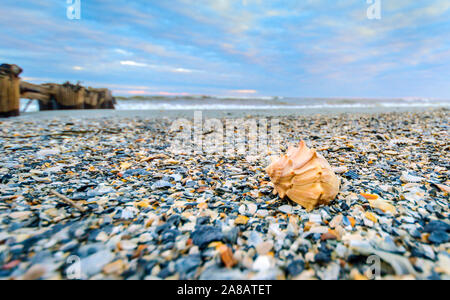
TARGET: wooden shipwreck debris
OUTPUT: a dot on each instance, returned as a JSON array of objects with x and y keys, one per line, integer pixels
[
  {"x": 70, "y": 96},
  {"x": 9, "y": 90},
  {"x": 51, "y": 96}
]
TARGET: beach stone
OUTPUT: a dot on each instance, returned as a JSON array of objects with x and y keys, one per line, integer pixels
[
  {"x": 176, "y": 177},
  {"x": 439, "y": 237},
  {"x": 336, "y": 221},
  {"x": 406, "y": 177},
  {"x": 262, "y": 213},
  {"x": 35, "y": 272},
  {"x": 127, "y": 214},
  {"x": 264, "y": 248},
  {"x": 241, "y": 220},
  {"x": 315, "y": 218},
  {"x": 444, "y": 262},
  {"x": 116, "y": 267},
  {"x": 20, "y": 215},
  {"x": 94, "y": 263},
  {"x": 341, "y": 250},
  {"x": 322, "y": 257},
  {"x": 331, "y": 272},
  {"x": 274, "y": 229},
  {"x": 215, "y": 273},
  {"x": 436, "y": 226},
  {"x": 287, "y": 209},
  {"x": 145, "y": 238},
  {"x": 254, "y": 239},
  {"x": 252, "y": 208},
  {"x": 161, "y": 184},
  {"x": 47, "y": 152},
  {"x": 204, "y": 235},
  {"x": 295, "y": 268},
  {"x": 188, "y": 264},
  {"x": 231, "y": 235},
  {"x": 262, "y": 263},
  {"x": 127, "y": 245},
  {"x": 340, "y": 170}
]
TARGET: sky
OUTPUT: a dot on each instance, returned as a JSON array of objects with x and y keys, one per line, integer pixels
[{"x": 296, "y": 48}]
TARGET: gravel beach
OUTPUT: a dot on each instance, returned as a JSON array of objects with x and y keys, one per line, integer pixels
[{"x": 97, "y": 195}]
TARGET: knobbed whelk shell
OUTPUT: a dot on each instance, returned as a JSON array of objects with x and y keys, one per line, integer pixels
[{"x": 304, "y": 176}]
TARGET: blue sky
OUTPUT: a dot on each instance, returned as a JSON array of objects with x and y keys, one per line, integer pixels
[{"x": 309, "y": 48}]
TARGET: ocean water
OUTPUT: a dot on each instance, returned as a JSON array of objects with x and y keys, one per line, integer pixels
[
  {"x": 267, "y": 103},
  {"x": 258, "y": 103}
]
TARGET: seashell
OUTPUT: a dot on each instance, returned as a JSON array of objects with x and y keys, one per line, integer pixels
[{"x": 304, "y": 176}]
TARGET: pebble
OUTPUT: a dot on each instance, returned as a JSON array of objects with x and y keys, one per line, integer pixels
[
  {"x": 20, "y": 215},
  {"x": 188, "y": 264},
  {"x": 262, "y": 263},
  {"x": 254, "y": 239},
  {"x": 216, "y": 273},
  {"x": 262, "y": 213},
  {"x": 264, "y": 248},
  {"x": 439, "y": 237},
  {"x": 406, "y": 177},
  {"x": 314, "y": 218},
  {"x": 94, "y": 263},
  {"x": 241, "y": 220},
  {"x": 287, "y": 209},
  {"x": 296, "y": 267},
  {"x": 116, "y": 267},
  {"x": 35, "y": 272},
  {"x": 204, "y": 235}
]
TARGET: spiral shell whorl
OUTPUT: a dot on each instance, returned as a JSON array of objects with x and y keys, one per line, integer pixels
[{"x": 305, "y": 177}]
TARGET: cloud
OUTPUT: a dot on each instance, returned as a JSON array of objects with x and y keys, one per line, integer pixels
[
  {"x": 161, "y": 68},
  {"x": 123, "y": 52},
  {"x": 311, "y": 47},
  {"x": 248, "y": 92},
  {"x": 133, "y": 64}
]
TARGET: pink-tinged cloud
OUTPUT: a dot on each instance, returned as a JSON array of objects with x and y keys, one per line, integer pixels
[
  {"x": 137, "y": 92},
  {"x": 244, "y": 91},
  {"x": 172, "y": 94}
]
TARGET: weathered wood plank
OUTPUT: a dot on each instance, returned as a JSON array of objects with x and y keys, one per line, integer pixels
[
  {"x": 36, "y": 96},
  {"x": 35, "y": 88}
]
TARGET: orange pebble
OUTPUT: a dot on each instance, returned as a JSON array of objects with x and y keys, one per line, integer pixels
[
  {"x": 371, "y": 217},
  {"x": 308, "y": 226},
  {"x": 370, "y": 196},
  {"x": 226, "y": 256},
  {"x": 203, "y": 205},
  {"x": 352, "y": 221}
]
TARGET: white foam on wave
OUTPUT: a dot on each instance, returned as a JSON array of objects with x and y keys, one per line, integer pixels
[
  {"x": 127, "y": 105},
  {"x": 149, "y": 105}
]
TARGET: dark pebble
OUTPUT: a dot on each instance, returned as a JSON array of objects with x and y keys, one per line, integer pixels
[
  {"x": 165, "y": 273},
  {"x": 436, "y": 226},
  {"x": 188, "y": 264},
  {"x": 439, "y": 237},
  {"x": 231, "y": 235},
  {"x": 295, "y": 268},
  {"x": 322, "y": 258},
  {"x": 203, "y": 235}
]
